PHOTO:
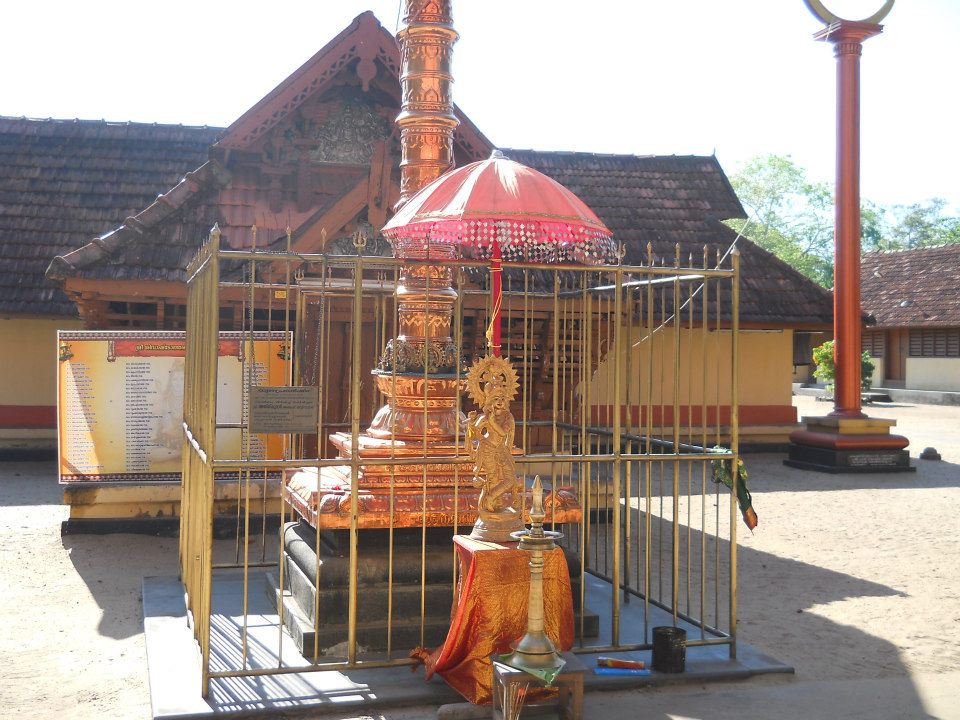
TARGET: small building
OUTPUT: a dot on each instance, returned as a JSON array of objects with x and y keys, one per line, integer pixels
[
  {"x": 61, "y": 183},
  {"x": 914, "y": 298}
]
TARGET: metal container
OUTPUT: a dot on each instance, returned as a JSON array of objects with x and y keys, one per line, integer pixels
[{"x": 669, "y": 649}]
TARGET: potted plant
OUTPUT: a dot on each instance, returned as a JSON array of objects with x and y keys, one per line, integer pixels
[{"x": 826, "y": 370}]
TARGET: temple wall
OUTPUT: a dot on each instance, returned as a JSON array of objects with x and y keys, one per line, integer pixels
[
  {"x": 933, "y": 374},
  {"x": 28, "y": 380},
  {"x": 765, "y": 373},
  {"x": 878, "y": 372}
]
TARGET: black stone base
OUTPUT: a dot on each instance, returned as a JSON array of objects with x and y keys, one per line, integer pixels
[
  {"x": 827, "y": 460},
  {"x": 375, "y": 599}
]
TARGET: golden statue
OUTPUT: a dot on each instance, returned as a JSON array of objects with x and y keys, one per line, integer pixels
[{"x": 492, "y": 384}]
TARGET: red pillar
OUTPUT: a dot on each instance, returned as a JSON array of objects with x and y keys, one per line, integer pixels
[
  {"x": 847, "y": 38},
  {"x": 846, "y": 440}
]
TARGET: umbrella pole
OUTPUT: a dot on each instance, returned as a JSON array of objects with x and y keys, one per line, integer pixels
[{"x": 496, "y": 291}]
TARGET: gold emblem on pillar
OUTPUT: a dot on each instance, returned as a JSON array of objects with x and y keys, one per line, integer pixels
[{"x": 492, "y": 384}]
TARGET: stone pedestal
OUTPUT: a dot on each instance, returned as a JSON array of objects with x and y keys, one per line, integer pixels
[
  {"x": 378, "y": 594},
  {"x": 848, "y": 445}
]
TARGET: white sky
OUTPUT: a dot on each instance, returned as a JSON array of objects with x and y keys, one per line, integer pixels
[{"x": 619, "y": 76}]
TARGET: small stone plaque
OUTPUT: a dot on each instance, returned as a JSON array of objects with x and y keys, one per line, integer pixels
[
  {"x": 283, "y": 409},
  {"x": 881, "y": 459}
]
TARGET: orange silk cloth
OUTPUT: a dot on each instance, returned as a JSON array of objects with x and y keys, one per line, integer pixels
[{"x": 491, "y": 612}]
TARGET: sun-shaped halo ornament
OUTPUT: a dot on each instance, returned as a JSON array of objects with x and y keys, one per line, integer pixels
[
  {"x": 492, "y": 383},
  {"x": 821, "y": 12}
]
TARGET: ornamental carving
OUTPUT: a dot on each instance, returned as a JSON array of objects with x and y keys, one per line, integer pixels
[
  {"x": 344, "y": 131},
  {"x": 375, "y": 247},
  {"x": 403, "y": 357},
  {"x": 349, "y": 134}
]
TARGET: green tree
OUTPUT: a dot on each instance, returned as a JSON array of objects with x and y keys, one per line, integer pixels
[
  {"x": 789, "y": 215},
  {"x": 873, "y": 227},
  {"x": 792, "y": 217},
  {"x": 923, "y": 224}
]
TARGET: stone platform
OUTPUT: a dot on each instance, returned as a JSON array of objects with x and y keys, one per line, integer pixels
[{"x": 174, "y": 670}]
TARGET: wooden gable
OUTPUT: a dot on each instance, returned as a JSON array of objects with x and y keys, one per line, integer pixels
[{"x": 318, "y": 154}]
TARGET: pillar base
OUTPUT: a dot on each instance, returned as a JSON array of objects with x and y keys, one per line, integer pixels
[{"x": 848, "y": 445}]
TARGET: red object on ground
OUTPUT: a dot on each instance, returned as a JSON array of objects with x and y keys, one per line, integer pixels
[{"x": 838, "y": 441}]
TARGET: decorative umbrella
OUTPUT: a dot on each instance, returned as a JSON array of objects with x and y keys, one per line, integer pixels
[{"x": 500, "y": 209}]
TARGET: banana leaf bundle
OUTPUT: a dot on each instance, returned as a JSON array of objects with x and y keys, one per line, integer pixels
[{"x": 721, "y": 473}]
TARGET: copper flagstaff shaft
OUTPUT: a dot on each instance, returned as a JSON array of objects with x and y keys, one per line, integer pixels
[
  {"x": 847, "y": 38},
  {"x": 425, "y": 296},
  {"x": 426, "y": 118}
]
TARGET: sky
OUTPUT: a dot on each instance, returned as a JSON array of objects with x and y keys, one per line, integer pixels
[{"x": 680, "y": 77}]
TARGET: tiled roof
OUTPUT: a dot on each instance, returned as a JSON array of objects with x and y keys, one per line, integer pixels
[
  {"x": 63, "y": 182},
  {"x": 670, "y": 200},
  {"x": 918, "y": 288}
]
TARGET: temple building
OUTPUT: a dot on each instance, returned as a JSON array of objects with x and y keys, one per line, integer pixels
[
  {"x": 914, "y": 298},
  {"x": 99, "y": 220}
]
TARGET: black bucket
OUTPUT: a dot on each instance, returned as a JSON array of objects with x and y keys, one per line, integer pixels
[{"x": 669, "y": 649}]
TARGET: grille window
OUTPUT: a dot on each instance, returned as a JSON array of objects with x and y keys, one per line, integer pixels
[
  {"x": 875, "y": 343},
  {"x": 935, "y": 342}
]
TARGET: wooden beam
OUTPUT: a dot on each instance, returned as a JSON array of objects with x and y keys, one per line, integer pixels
[
  {"x": 327, "y": 225},
  {"x": 378, "y": 195}
]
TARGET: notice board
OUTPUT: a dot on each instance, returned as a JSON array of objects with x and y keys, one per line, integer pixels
[{"x": 120, "y": 401}]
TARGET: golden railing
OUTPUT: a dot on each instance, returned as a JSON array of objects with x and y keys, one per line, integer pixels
[
  {"x": 199, "y": 441},
  {"x": 629, "y": 375}
]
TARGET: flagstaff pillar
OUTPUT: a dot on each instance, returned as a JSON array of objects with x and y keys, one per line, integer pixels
[
  {"x": 846, "y": 440},
  {"x": 847, "y": 38}
]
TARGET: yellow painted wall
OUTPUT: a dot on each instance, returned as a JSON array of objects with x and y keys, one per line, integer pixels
[
  {"x": 933, "y": 374},
  {"x": 878, "y": 372},
  {"x": 766, "y": 368},
  {"x": 803, "y": 373},
  {"x": 28, "y": 361}
]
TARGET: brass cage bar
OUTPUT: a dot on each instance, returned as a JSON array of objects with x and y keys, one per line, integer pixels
[{"x": 608, "y": 407}]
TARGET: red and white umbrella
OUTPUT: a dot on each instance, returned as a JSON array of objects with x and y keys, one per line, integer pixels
[{"x": 500, "y": 209}]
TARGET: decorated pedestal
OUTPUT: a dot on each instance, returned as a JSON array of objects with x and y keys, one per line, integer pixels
[
  {"x": 490, "y": 613},
  {"x": 848, "y": 445}
]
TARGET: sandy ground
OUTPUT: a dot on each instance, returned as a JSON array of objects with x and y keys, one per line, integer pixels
[{"x": 854, "y": 580}]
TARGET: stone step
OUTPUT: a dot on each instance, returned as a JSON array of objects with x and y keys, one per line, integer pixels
[
  {"x": 373, "y": 567},
  {"x": 373, "y": 600},
  {"x": 371, "y": 635}
]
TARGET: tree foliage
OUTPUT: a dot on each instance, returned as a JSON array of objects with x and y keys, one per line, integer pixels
[
  {"x": 792, "y": 217},
  {"x": 789, "y": 216},
  {"x": 921, "y": 225}
]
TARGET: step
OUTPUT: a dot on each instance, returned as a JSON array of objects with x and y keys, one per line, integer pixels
[
  {"x": 371, "y": 636},
  {"x": 374, "y": 564},
  {"x": 374, "y": 600}
]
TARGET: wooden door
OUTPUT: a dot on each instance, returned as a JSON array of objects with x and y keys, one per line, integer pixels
[{"x": 896, "y": 361}]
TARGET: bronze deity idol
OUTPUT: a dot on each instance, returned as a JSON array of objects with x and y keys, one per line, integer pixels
[{"x": 492, "y": 384}]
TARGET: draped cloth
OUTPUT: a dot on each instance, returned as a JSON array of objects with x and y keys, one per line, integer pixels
[{"x": 490, "y": 612}]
